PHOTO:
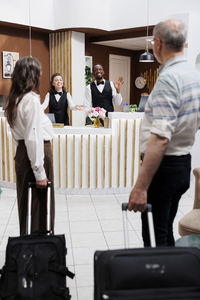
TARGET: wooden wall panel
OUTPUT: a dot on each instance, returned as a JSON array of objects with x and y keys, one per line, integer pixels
[
  {"x": 17, "y": 40},
  {"x": 60, "y": 56}
]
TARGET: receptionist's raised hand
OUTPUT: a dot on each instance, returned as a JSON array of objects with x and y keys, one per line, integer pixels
[{"x": 118, "y": 84}]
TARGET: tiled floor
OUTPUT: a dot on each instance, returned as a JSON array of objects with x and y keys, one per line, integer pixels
[{"x": 90, "y": 222}]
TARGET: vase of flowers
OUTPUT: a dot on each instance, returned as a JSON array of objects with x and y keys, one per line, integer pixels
[
  {"x": 97, "y": 122},
  {"x": 95, "y": 114}
]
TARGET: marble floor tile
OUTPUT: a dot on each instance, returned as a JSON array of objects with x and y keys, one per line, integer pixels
[
  {"x": 85, "y": 255},
  {"x": 86, "y": 215},
  {"x": 109, "y": 214},
  {"x": 88, "y": 240},
  {"x": 111, "y": 225},
  {"x": 84, "y": 275},
  {"x": 85, "y": 226},
  {"x": 85, "y": 293}
]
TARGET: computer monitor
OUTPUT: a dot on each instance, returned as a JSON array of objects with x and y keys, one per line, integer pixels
[
  {"x": 2, "y": 100},
  {"x": 51, "y": 117},
  {"x": 142, "y": 103}
]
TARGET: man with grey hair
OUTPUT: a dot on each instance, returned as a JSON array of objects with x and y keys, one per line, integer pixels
[{"x": 171, "y": 119}]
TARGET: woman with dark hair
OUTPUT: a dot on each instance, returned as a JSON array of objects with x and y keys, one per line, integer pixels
[
  {"x": 32, "y": 131},
  {"x": 59, "y": 99}
]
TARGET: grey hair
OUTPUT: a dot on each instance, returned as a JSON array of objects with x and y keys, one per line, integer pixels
[{"x": 173, "y": 34}]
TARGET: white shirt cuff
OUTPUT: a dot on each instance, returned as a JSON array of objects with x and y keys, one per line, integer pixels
[{"x": 39, "y": 173}]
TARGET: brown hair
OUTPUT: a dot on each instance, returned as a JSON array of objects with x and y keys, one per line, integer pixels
[
  {"x": 52, "y": 87},
  {"x": 25, "y": 78}
]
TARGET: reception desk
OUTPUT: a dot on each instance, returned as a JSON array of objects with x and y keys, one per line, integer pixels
[{"x": 87, "y": 159}]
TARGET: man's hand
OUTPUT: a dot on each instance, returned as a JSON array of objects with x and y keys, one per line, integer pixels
[
  {"x": 137, "y": 200},
  {"x": 42, "y": 183},
  {"x": 118, "y": 84}
]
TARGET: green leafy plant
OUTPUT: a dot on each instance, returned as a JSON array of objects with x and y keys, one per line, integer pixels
[
  {"x": 133, "y": 108},
  {"x": 88, "y": 121},
  {"x": 88, "y": 75}
]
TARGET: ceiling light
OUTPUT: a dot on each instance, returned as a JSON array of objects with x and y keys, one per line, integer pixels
[{"x": 147, "y": 56}]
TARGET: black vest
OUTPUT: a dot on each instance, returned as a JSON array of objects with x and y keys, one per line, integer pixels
[
  {"x": 59, "y": 108},
  {"x": 103, "y": 99}
]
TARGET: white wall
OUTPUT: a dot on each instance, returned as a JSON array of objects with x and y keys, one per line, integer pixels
[
  {"x": 78, "y": 82},
  {"x": 133, "y": 13},
  {"x": 114, "y": 15},
  {"x": 193, "y": 36},
  {"x": 107, "y": 14},
  {"x": 42, "y": 12},
  {"x": 82, "y": 13}
]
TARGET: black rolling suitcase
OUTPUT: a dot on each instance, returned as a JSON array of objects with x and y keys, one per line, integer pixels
[
  {"x": 35, "y": 266},
  {"x": 147, "y": 273}
]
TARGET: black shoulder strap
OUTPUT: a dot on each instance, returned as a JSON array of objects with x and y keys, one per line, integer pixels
[{"x": 61, "y": 269}]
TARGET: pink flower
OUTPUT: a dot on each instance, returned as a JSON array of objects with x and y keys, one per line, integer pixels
[
  {"x": 90, "y": 110},
  {"x": 101, "y": 115},
  {"x": 103, "y": 110},
  {"x": 95, "y": 114},
  {"x": 97, "y": 108}
]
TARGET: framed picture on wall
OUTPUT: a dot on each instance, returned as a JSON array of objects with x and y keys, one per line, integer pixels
[{"x": 9, "y": 61}]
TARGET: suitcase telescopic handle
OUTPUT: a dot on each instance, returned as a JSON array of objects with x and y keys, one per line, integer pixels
[
  {"x": 150, "y": 224},
  {"x": 125, "y": 207},
  {"x": 28, "y": 217}
]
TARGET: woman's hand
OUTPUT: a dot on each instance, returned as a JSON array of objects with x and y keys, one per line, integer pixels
[
  {"x": 79, "y": 107},
  {"x": 42, "y": 183}
]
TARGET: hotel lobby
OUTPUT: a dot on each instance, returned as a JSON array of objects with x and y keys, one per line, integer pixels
[{"x": 94, "y": 168}]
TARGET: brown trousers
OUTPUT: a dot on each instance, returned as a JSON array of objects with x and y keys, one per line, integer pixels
[{"x": 24, "y": 174}]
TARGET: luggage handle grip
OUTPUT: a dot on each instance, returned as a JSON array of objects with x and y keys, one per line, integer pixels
[
  {"x": 125, "y": 207},
  {"x": 33, "y": 184}
]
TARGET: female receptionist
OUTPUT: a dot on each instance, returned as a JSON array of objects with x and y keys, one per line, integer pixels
[{"x": 58, "y": 100}]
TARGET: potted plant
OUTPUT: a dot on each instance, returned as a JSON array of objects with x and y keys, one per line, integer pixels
[
  {"x": 106, "y": 122},
  {"x": 88, "y": 75},
  {"x": 133, "y": 108}
]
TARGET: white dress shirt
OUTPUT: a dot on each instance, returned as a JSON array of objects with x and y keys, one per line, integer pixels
[
  {"x": 45, "y": 104},
  {"x": 116, "y": 98},
  {"x": 33, "y": 126}
]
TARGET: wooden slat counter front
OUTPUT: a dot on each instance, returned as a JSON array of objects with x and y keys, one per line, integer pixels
[{"x": 86, "y": 159}]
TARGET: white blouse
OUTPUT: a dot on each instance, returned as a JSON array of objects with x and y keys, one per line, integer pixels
[{"x": 34, "y": 127}]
